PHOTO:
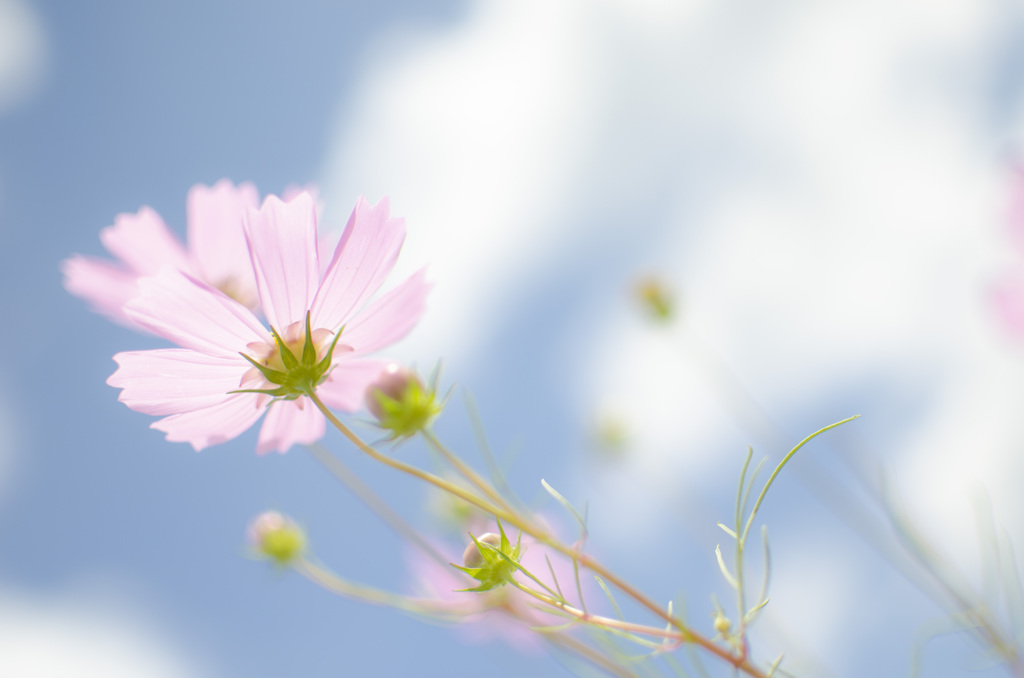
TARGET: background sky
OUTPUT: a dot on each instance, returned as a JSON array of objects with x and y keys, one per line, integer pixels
[{"x": 826, "y": 187}]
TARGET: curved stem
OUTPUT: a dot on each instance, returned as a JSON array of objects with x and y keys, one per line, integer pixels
[
  {"x": 323, "y": 577},
  {"x": 541, "y": 535},
  {"x": 372, "y": 501},
  {"x": 468, "y": 473}
]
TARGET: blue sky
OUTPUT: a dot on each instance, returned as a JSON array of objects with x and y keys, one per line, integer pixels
[{"x": 825, "y": 187}]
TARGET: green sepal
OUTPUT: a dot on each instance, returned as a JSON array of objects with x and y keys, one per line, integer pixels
[
  {"x": 287, "y": 357},
  {"x": 308, "y": 349},
  {"x": 500, "y": 562},
  {"x": 411, "y": 413},
  {"x": 282, "y": 393},
  {"x": 269, "y": 373},
  {"x": 300, "y": 377},
  {"x": 324, "y": 365}
]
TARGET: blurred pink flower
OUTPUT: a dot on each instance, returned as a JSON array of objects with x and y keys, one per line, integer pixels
[
  {"x": 190, "y": 386},
  {"x": 1008, "y": 292},
  {"x": 1008, "y": 297},
  {"x": 142, "y": 245}
]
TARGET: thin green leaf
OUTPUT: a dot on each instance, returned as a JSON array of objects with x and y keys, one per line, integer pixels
[
  {"x": 568, "y": 507},
  {"x": 725, "y": 570},
  {"x": 611, "y": 598},
  {"x": 529, "y": 574},
  {"x": 774, "y": 666},
  {"x": 752, "y": 613},
  {"x": 554, "y": 577},
  {"x": 727, "y": 530},
  {"x": 739, "y": 486},
  {"x": 750, "y": 485},
  {"x": 785, "y": 460},
  {"x": 579, "y": 587}
]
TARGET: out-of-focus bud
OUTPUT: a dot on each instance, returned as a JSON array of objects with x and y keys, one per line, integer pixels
[
  {"x": 655, "y": 298},
  {"x": 472, "y": 557},
  {"x": 722, "y": 624},
  {"x": 277, "y": 537},
  {"x": 492, "y": 560},
  {"x": 400, "y": 401}
]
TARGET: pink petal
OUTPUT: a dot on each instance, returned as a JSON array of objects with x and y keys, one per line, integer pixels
[
  {"x": 193, "y": 315},
  {"x": 282, "y": 243},
  {"x": 216, "y": 238},
  {"x": 1008, "y": 297},
  {"x": 289, "y": 422},
  {"x": 346, "y": 386},
  {"x": 105, "y": 285},
  {"x": 212, "y": 425},
  {"x": 388, "y": 319},
  {"x": 143, "y": 242},
  {"x": 362, "y": 261},
  {"x": 326, "y": 243},
  {"x": 175, "y": 380}
]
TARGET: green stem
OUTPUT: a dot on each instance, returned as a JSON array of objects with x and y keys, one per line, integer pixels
[
  {"x": 374, "y": 502},
  {"x": 367, "y": 594},
  {"x": 527, "y": 526},
  {"x": 468, "y": 473}
]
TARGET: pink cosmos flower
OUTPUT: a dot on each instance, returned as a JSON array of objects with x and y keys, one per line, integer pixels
[
  {"x": 142, "y": 245},
  {"x": 230, "y": 369}
]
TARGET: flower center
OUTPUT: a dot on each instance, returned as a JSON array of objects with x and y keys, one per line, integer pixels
[
  {"x": 297, "y": 362},
  {"x": 240, "y": 293}
]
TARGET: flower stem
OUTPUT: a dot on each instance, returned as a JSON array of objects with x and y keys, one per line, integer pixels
[
  {"x": 323, "y": 577},
  {"x": 467, "y": 472},
  {"x": 372, "y": 501},
  {"x": 685, "y": 634}
]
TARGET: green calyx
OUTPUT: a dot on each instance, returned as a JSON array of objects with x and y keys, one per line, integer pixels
[
  {"x": 498, "y": 562},
  {"x": 283, "y": 545},
  {"x": 407, "y": 412},
  {"x": 300, "y": 375}
]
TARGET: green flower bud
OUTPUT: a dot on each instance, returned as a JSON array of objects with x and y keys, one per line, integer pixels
[
  {"x": 277, "y": 537},
  {"x": 492, "y": 560},
  {"x": 400, "y": 402}
]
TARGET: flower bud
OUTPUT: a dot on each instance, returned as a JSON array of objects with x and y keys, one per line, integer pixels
[
  {"x": 472, "y": 557},
  {"x": 277, "y": 537},
  {"x": 722, "y": 624},
  {"x": 400, "y": 401},
  {"x": 656, "y": 298},
  {"x": 492, "y": 567}
]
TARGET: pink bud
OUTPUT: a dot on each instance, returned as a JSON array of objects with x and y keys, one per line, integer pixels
[
  {"x": 472, "y": 557},
  {"x": 393, "y": 382}
]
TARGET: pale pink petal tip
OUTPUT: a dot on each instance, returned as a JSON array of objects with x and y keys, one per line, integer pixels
[
  {"x": 212, "y": 425},
  {"x": 363, "y": 259},
  {"x": 106, "y": 286},
  {"x": 389, "y": 318},
  {"x": 144, "y": 243}
]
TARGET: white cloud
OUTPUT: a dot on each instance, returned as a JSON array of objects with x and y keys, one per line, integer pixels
[
  {"x": 452, "y": 125},
  {"x": 849, "y": 240},
  {"x": 49, "y": 638},
  {"x": 23, "y": 53}
]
